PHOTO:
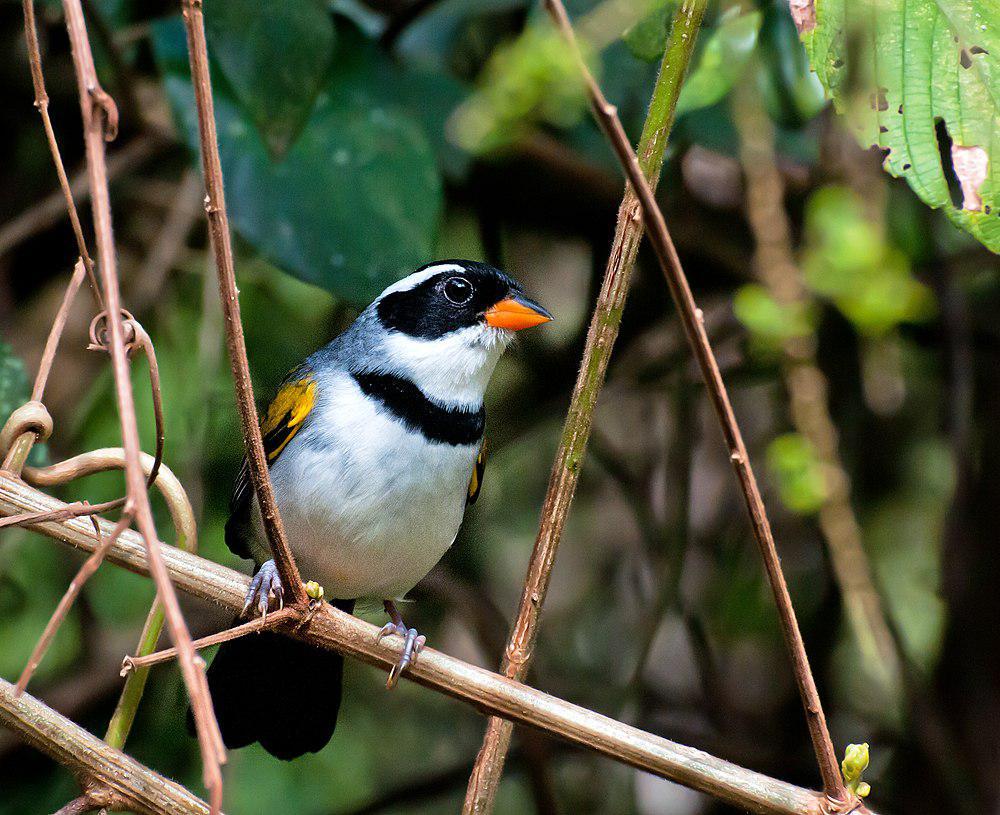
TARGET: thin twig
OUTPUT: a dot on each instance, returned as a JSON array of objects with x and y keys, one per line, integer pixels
[
  {"x": 275, "y": 619},
  {"x": 49, "y": 210},
  {"x": 42, "y": 104},
  {"x": 21, "y": 448},
  {"x": 693, "y": 322},
  {"x": 76, "y": 585},
  {"x": 218, "y": 229},
  {"x": 808, "y": 387},
  {"x": 99, "y": 120},
  {"x": 487, "y": 771},
  {"x": 486, "y": 691}
]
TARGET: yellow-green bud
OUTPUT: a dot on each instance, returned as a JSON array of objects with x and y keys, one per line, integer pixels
[
  {"x": 314, "y": 590},
  {"x": 854, "y": 764}
]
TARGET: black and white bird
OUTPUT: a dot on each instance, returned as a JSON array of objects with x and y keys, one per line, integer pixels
[{"x": 375, "y": 448}]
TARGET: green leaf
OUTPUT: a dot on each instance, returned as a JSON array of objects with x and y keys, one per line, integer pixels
[
  {"x": 722, "y": 60},
  {"x": 798, "y": 473},
  {"x": 895, "y": 68},
  {"x": 769, "y": 321},
  {"x": 15, "y": 390},
  {"x": 647, "y": 39},
  {"x": 792, "y": 93},
  {"x": 357, "y": 200},
  {"x": 274, "y": 56}
]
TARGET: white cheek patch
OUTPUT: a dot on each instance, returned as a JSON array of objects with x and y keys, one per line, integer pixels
[{"x": 453, "y": 370}]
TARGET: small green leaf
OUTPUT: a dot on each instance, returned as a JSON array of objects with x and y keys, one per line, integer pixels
[
  {"x": 792, "y": 93},
  {"x": 722, "y": 60},
  {"x": 274, "y": 56},
  {"x": 771, "y": 322},
  {"x": 798, "y": 473},
  {"x": 530, "y": 79}
]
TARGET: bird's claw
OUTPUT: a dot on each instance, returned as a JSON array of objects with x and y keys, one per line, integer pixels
[
  {"x": 265, "y": 586},
  {"x": 413, "y": 644}
]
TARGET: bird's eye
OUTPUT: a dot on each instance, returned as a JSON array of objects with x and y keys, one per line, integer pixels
[{"x": 458, "y": 290}]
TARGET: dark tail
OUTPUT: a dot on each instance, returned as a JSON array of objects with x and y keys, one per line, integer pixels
[{"x": 282, "y": 692}]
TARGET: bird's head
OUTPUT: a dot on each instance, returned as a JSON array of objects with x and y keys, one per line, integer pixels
[{"x": 446, "y": 325}]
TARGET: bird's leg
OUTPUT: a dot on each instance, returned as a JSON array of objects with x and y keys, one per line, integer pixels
[
  {"x": 413, "y": 641},
  {"x": 266, "y": 584}
]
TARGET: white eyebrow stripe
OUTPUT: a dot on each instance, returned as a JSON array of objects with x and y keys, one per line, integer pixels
[{"x": 415, "y": 279}]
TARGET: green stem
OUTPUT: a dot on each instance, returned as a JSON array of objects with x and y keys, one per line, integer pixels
[
  {"x": 135, "y": 683},
  {"x": 601, "y": 337}
]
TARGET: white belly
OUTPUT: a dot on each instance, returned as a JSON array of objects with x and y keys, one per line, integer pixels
[{"x": 369, "y": 506}]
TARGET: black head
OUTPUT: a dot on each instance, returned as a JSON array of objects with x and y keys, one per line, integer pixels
[{"x": 449, "y": 295}]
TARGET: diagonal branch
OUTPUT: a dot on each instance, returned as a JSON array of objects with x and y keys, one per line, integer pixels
[
  {"x": 486, "y": 691},
  {"x": 694, "y": 328},
  {"x": 222, "y": 247},
  {"x": 488, "y": 768},
  {"x": 123, "y": 781},
  {"x": 99, "y": 123}
]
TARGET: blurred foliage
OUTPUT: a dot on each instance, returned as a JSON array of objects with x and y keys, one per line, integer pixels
[
  {"x": 900, "y": 71},
  {"x": 362, "y": 139},
  {"x": 529, "y": 80},
  {"x": 797, "y": 472},
  {"x": 848, "y": 260}
]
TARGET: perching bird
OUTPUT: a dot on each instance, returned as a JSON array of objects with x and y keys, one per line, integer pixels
[{"x": 375, "y": 447}]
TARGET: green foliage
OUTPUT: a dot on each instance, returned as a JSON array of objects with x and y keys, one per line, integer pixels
[
  {"x": 792, "y": 93},
  {"x": 722, "y": 60},
  {"x": 647, "y": 39},
  {"x": 356, "y": 201},
  {"x": 848, "y": 261},
  {"x": 769, "y": 322},
  {"x": 530, "y": 79},
  {"x": 797, "y": 472},
  {"x": 274, "y": 57},
  {"x": 15, "y": 390},
  {"x": 895, "y": 69}
]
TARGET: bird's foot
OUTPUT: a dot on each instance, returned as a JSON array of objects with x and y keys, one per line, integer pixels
[
  {"x": 265, "y": 586},
  {"x": 413, "y": 643}
]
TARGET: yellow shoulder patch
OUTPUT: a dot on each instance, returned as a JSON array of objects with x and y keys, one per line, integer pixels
[
  {"x": 284, "y": 417},
  {"x": 476, "y": 482}
]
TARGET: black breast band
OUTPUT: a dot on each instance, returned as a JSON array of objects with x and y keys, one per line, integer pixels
[{"x": 409, "y": 404}]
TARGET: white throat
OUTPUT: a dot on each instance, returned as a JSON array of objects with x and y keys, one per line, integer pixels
[{"x": 453, "y": 370}]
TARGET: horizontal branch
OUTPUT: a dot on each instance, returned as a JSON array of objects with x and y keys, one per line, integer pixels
[
  {"x": 132, "y": 784},
  {"x": 487, "y": 691}
]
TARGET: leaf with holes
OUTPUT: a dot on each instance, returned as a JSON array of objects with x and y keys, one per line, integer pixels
[
  {"x": 907, "y": 72},
  {"x": 274, "y": 56}
]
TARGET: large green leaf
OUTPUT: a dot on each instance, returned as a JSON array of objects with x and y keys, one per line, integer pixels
[
  {"x": 356, "y": 201},
  {"x": 274, "y": 56},
  {"x": 897, "y": 67}
]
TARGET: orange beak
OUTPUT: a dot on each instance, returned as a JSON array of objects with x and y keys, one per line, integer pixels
[{"x": 516, "y": 313}]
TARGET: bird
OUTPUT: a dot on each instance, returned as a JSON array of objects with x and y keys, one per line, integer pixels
[{"x": 375, "y": 448}]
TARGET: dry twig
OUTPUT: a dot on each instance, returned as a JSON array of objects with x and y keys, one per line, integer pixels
[
  {"x": 222, "y": 247},
  {"x": 100, "y": 124},
  {"x": 694, "y": 328}
]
